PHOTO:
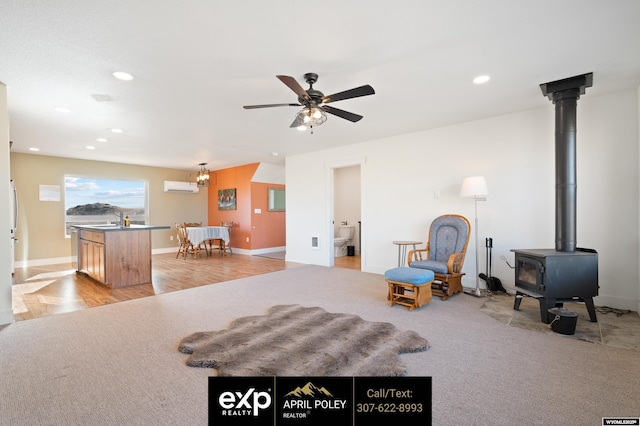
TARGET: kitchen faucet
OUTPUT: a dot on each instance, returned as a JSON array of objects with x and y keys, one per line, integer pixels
[{"x": 120, "y": 217}]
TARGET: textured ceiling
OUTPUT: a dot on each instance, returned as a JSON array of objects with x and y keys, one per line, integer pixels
[{"x": 197, "y": 62}]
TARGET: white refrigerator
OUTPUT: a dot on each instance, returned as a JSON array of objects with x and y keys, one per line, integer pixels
[{"x": 13, "y": 209}]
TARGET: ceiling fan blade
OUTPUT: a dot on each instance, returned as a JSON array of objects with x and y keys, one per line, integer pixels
[
  {"x": 294, "y": 85},
  {"x": 341, "y": 113},
  {"x": 268, "y": 106},
  {"x": 348, "y": 94}
]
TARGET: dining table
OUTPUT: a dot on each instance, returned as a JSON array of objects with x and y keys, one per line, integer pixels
[{"x": 204, "y": 234}]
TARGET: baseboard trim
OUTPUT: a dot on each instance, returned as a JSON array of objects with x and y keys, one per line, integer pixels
[
  {"x": 617, "y": 302},
  {"x": 6, "y": 317},
  {"x": 41, "y": 262},
  {"x": 73, "y": 259}
]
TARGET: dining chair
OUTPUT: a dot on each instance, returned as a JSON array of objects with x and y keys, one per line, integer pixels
[
  {"x": 226, "y": 248},
  {"x": 220, "y": 244},
  {"x": 202, "y": 245},
  {"x": 186, "y": 246}
]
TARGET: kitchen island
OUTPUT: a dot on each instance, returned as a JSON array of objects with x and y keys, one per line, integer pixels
[{"x": 115, "y": 256}]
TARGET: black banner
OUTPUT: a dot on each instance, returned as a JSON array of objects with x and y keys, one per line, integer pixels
[{"x": 309, "y": 401}]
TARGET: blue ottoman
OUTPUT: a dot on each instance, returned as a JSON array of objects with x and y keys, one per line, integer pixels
[{"x": 409, "y": 286}]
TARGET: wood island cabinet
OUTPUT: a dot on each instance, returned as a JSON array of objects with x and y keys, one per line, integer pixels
[
  {"x": 91, "y": 255},
  {"x": 117, "y": 257}
]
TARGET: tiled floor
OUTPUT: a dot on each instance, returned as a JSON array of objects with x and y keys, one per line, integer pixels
[{"x": 619, "y": 328}]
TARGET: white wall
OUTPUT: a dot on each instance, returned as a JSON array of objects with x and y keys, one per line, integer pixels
[
  {"x": 269, "y": 173},
  {"x": 6, "y": 313},
  {"x": 515, "y": 153}
]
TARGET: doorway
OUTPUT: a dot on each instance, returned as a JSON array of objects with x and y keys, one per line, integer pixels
[{"x": 347, "y": 215}]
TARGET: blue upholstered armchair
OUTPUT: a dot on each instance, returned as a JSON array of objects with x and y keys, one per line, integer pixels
[{"x": 444, "y": 254}]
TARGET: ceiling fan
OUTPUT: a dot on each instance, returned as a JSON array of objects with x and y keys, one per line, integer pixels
[{"x": 315, "y": 110}]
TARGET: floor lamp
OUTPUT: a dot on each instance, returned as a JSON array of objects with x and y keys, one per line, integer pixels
[{"x": 475, "y": 187}]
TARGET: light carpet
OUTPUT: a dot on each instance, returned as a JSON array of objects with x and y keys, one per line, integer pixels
[
  {"x": 292, "y": 340},
  {"x": 119, "y": 364}
]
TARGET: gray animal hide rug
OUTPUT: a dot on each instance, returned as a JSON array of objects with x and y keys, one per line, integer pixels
[{"x": 292, "y": 340}]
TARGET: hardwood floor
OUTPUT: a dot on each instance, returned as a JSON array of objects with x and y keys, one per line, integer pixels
[
  {"x": 39, "y": 291},
  {"x": 349, "y": 262}
]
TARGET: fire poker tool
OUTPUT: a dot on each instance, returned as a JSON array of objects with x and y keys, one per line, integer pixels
[{"x": 493, "y": 283}]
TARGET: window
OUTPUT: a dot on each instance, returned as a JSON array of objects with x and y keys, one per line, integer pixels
[
  {"x": 91, "y": 201},
  {"x": 276, "y": 199}
]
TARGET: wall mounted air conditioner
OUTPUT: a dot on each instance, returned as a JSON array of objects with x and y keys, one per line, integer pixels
[{"x": 173, "y": 186}]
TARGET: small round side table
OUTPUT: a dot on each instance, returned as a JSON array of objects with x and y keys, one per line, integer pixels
[{"x": 402, "y": 249}]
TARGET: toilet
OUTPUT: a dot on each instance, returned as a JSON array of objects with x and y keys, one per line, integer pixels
[{"x": 341, "y": 240}]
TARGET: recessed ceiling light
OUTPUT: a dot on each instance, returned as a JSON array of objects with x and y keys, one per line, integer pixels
[
  {"x": 275, "y": 154},
  {"x": 61, "y": 109},
  {"x": 34, "y": 149},
  {"x": 481, "y": 79},
  {"x": 120, "y": 75},
  {"x": 102, "y": 140},
  {"x": 90, "y": 147},
  {"x": 116, "y": 130}
]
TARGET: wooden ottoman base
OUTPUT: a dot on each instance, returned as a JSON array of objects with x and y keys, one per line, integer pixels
[{"x": 409, "y": 287}]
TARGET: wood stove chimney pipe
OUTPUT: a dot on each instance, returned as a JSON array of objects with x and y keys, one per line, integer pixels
[{"x": 564, "y": 94}]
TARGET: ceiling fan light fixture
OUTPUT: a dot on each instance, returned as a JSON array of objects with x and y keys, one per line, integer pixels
[
  {"x": 301, "y": 128},
  {"x": 315, "y": 110},
  {"x": 311, "y": 116}
]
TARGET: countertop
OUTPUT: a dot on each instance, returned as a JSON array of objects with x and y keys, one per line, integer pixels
[{"x": 110, "y": 228}]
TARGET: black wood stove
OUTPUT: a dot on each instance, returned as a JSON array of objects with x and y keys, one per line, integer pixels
[
  {"x": 554, "y": 277},
  {"x": 568, "y": 273}
]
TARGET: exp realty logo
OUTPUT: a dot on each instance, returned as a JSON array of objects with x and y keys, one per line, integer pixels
[
  {"x": 241, "y": 400},
  {"x": 317, "y": 400}
]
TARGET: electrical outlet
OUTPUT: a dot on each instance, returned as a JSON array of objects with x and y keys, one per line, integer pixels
[
  {"x": 247, "y": 239},
  {"x": 170, "y": 237}
]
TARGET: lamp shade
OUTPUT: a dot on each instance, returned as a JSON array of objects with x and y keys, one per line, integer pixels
[{"x": 474, "y": 186}]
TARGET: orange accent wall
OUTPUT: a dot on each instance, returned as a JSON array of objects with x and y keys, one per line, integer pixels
[
  {"x": 268, "y": 227},
  {"x": 264, "y": 230}
]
